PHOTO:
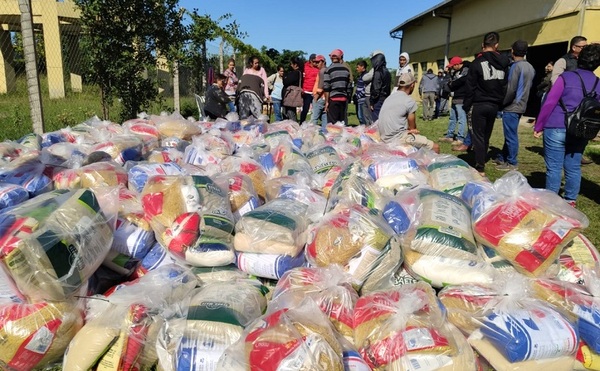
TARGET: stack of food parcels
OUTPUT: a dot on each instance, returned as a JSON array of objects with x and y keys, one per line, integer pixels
[{"x": 174, "y": 244}]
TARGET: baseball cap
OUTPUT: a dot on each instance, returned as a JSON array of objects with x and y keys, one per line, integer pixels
[
  {"x": 406, "y": 79},
  {"x": 337, "y": 53},
  {"x": 376, "y": 52},
  {"x": 320, "y": 58},
  {"x": 519, "y": 48},
  {"x": 454, "y": 61},
  {"x": 312, "y": 57}
]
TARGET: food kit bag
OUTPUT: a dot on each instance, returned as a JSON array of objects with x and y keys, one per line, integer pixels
[
  {"x": 528, "y": 227},
  {"x": 397, "y": 173},
  {"x": 449, "y": 174},
  {"x": 361, "y": 242},
  {"x": 99, "y": 174},
  {"x": 138, "y": 174},
  {"x": 30, "y": 174},
  {"x": 242, "y": 196},
  {"x": 298, "y": 338},
  {"x": 54, "y": 243},
  {"x": 278, "y": 227},
  {"x": 11, "y": 195}
]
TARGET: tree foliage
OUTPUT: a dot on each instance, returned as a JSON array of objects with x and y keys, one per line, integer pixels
[{"x": 122, "y": 39}]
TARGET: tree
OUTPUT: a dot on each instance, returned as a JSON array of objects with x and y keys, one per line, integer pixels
[{"x": 122, "y": 40}]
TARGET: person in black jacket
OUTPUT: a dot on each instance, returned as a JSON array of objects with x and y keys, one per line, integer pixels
[
  {"x": 216, "y": 104},
  {"x": 381, "y": 84},
  {"x": 292, "y": 78},
  {"x": 486, "y": 87}
]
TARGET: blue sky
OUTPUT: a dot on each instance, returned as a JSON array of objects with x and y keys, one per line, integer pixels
[{"x": 356, "y": 27}]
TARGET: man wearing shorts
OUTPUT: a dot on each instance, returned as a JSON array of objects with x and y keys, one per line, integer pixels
[{"x": 397, "y": 119}]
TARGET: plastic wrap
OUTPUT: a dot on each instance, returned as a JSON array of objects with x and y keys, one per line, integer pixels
[
  {"x": 157, "y": 257},
  {"x": 397, "y": 173},
  {"x": 299, "y": 338},
  {"x": 271, "y": 266},
  {"x": 578, "y": 255},
  {"x": 12, "y": 195},
  {"x": 278, "y": 227},
  {"x": 214, "y": 320},
  {"x": 121, "y": 148},
  {"x": 250, "y": 167},
  {"x": 449, "y": 174},
  {"x": 35, "y": 335},
  {"x": 175, "y": 126},
  {"x": 439, "y": 246},
  {"x": 165, "y": 155},
  {"x": 99, "y": 174},
  {"x": 357, "y": 240},
  {"x": 27, "y": 173},
  {"x": 138, "y": 174},
  {"x": 54, "y": 243},
  {"x": 132, "y": 238},
  {"x": 526, "y": 226},
  {"x": 404, "y": 329},
  {"x": 219, "y": 274},
  {"x": 329, "y": 287},
  {"x": 121, "y": 330},
  {"x": 298, "y": 188},
  {"x": 356, "y": 185},
  {"x": 323, "y": 158},
  {"x": 64, "y": 154},
  {"x": 466, "y": 304},
  {"x": 242, "y": 196}
]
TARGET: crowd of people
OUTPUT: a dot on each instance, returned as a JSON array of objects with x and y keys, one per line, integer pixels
[{"x": 471, "y": 93}]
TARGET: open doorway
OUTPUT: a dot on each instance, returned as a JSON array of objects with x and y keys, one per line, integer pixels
[{"x": 539, "y": 56}]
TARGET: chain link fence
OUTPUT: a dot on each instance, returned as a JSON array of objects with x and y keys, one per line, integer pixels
[{"x": 69, "y": 93}]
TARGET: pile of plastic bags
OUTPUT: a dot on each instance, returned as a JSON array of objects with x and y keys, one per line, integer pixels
[{"x": 172, "y": 244}]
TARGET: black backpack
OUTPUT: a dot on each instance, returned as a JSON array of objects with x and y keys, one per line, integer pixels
[{"x": 584, "y": 120}]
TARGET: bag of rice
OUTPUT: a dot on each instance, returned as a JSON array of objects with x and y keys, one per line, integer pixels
[
  {"x": 55, "y": 243},
  {"x": 175, "y": 126},
  {"x": 299, "y": 338},
  {"x": 528, "y": 227},
  {"x": 36, "y": 335},
  {"x": 271, "y": 266},
  {"x": 356, "y": 185},
  {"x": 449, "y": 174},
  {"x": 242, "y": 196},
  {"x": 323, "y": 158},
  {"x": 12, "y": 195},
  {"x": 523, "y": 328},
  {"x": 404, "y": 328},
  {"x": 351, "y": 236},
  {"x": 138, "y": 175},
  {"x": 128, "y": 342},
  {"x": 579, "y": 254},
  {"x": 397, "y": 173},
  {"x": 215, "y": 319},
  {"x": 99, "y": 174},
  {"x": 219, "y": 274},
  {"x": 329, "y": 287},
  {"x": 133, "y": 239},
  {"x": 278, "y": 227}
]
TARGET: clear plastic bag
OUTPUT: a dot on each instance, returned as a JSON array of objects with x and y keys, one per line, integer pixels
[
  {"x": 351, "y": 236},
  {"x": 529, "y": 227},
  {"x": 449, "y": 174},
  {"x": 12, "y": 195},
  {"x": 175, "y": 126},
  {"x": 278, "y": 227},
  {"x": 215, "y": 318},
  {"x": 139, "y": 173},
  {"x": 242, "y": 196},
  {"x": 299, "y": 338},
  {"x": 99, "y": 174},
  {"x": 28, "y": 173},
  {"x": 55, "y": 242},
  {"x": 36, "y": 335},
  {"x": 356, "y": 185}
]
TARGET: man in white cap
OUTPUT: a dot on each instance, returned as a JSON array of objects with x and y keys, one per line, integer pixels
[{"x": 397, "y": 119}]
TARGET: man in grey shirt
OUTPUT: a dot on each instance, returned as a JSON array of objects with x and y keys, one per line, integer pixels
[
  {"x": 520, "y": 78},
  {"x": 397, "y": 120}
]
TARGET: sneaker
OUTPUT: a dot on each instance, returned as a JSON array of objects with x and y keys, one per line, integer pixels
[
  {"x": 507, "y": 167},
  {"x": 446, "y": 140},
  {"x": 461, "y": 148},
  {"x": 499, "y": 162},
  {"x": 572, "y": 203},
  {"x": 586, "y": 160}
]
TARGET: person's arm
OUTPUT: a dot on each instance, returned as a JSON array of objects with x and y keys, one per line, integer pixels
[
  {"x": 412, "y": 123},
  {"x": 559, "y": 67},
  {"x": 551, "y": 101},
  {"x": 263, "y": 74},
  {"x": 511, "y": 87},
  {"x": 471, "y": 83}
]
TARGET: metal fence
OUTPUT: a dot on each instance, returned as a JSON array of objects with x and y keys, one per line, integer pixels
[{"x": 60, "y": 62}]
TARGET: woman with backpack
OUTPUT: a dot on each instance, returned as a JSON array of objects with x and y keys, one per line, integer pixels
[{"x": 562, "y": 147}]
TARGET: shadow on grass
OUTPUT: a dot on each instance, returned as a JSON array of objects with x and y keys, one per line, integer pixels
[
  {"x": 536, "y": 149},
  {"x": 537, "y": 179},
  {"x": 594, "y": 157},
  {"x": 588, "y": 188}
]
